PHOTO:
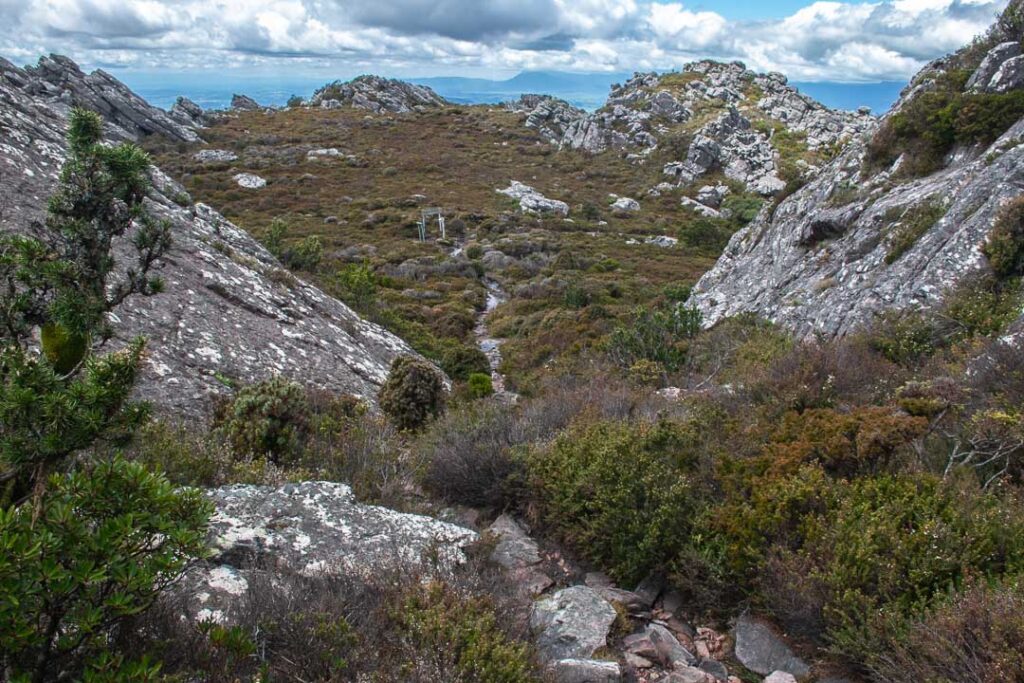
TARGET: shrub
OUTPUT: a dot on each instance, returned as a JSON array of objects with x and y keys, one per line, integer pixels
[
  {"x": 269, "y": 418},
  {"x": 862, "y": 441},
  {"x": 678, "y": 292},
  {"x": 705, "y": 235},
  {"x": 273, "y": 238},
  {"x": 306, "y": 255},
  {"x": 929, "y": 125},
  {"x": 1004, "y": 247},
  {"x": 413, "y": 393},
  {"x": 294, "y": 101},
  {"x": 97, "y": 549},
  {"x": 976, "y": 635},
  {"x": 576, "y": 296},
  {"x": 464, "y": 633},
  {"x": 661, "y": 335},
  {"x": 935, "y": 536},
  {"x": 742, "y": 208},
  {"x": 621, "y": 495},
  {"x": 358, "y": 286},
  {"x": 461, "y": 361},
  {"x": 480, "y": 385},
  {"x": 468, "y": 455},
  {"x": 191, "y": 457},
  {"x": 903, "y": 338}
]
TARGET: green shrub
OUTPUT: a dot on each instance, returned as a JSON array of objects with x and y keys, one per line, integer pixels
[
  {"x": 474, "y": 252},
  {"x": 413, "y": 393},
  {"x": 661, "y": 335},
  {"x": 742, "y": 208},
  {"x": 273, "y": 238},
  {"x": 935, "y": 536},
  {"x": 1004, "y": 247},
  {"x": 911, "y": 225},
  {"x": 97, "y": 549},
  {"x": 306, "y": 255},
  {"x": 358, "y": 286},
  {"x": 466, "y": 633},
  {"x": 981, "y": 308},
  {"x": 461, "y": 361},
  {"x": 928, "y": 126},
  {"x": 480, "y": 385},
  {"x": 903, "y": 338},
  {"x": 294, "y": 101},
  {"x": 704, "y": 234},
  {"x": 621, "y": 495},
  {"x": 678, "y": 292},
  {"x": 269, "y": 418},
  {"x": 576, "y": 296}
]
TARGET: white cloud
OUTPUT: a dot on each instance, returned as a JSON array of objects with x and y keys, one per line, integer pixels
[{"x": 826, "y": 40}]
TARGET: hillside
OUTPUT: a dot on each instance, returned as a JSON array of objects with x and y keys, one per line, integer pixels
[
  {"x": 732, "y": 384},
  {"x": 643, "y": 217},
  {"x": 231, "y": 315}
]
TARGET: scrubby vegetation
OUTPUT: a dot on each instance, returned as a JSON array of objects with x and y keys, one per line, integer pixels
[
  {"x": 941, "y": 115},
  {"x": 413, "y": 393}
]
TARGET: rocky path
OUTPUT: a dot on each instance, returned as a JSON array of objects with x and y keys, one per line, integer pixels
[
  {"x": 588, "y": 630},
  {"x": 491, "y": 346}
]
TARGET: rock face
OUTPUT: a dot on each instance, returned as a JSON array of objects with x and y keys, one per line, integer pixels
[
  {"x": 229, "y": 312},
  {"x": 824, "y": 263},
  {"x": 532, "y": 201},
  {"x": 313, "y": 528},
  {"x": 59, "y": 80},
  {"x": 762, "y": 651},
  {"x": 378, "y": 95}
]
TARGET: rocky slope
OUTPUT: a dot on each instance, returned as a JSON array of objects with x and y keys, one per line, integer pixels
[
  {"x": 230, "y": 313},
  {"x": 378, "y": 95},
  {"x": 729, "y": 113},
  {"x": 853, "y": 243}
]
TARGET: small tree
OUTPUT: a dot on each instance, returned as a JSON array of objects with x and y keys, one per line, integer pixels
[
  {"x": 413, "y": 393},
  {"x": 62, "y": 283},
  {"x": 82, "y": 550}
]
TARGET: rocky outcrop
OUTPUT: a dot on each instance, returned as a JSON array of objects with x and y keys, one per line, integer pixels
[
  {"x": 312, "y": 528},
  {"x": 549, "y": 116},
  {"x": 731, "y": 144},
  {"x": 532, "y": 201},
  {"x": 244, "y": 103},
  {"x": 825, "y": 261},
  {"x": 378, "y": 95},
  {"x": 230, "y": 314},
  {"x": 58, "y": 80},
  {"x": 188, "y": 113}
]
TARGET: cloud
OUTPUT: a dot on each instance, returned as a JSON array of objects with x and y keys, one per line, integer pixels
[{"x": 825, "y": 40}]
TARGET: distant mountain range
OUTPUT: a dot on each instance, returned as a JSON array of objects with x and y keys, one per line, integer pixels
[{"x": 584, "y": 90}]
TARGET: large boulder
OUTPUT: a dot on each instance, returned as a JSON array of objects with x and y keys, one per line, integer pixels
[
  {"x": 760, "y": 648},
  {"x": 572, "y": 623},
  {"x": 532, "y": 201},
  {"x": 314, "y": 529},
  {"x": 229, "y": 313}
]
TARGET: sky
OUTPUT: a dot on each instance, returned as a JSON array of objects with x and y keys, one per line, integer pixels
[{"x": 808, "y": 41}]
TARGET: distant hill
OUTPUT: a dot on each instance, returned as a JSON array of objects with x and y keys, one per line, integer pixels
[{"x": 585, "y": 90}]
